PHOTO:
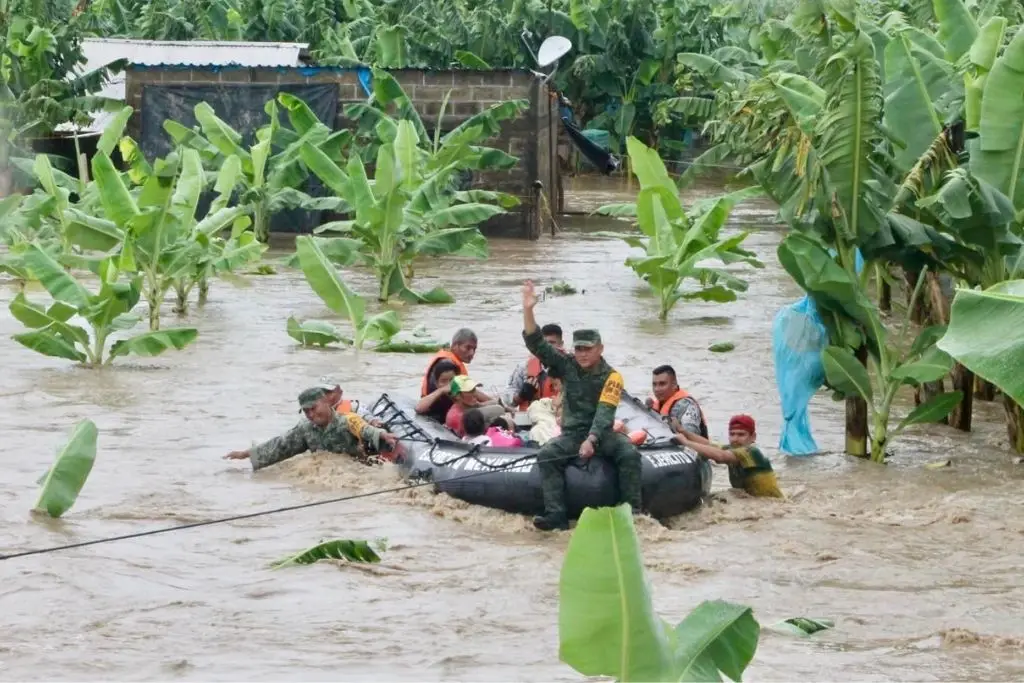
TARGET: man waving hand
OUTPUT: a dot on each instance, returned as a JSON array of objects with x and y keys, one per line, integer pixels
[{"x": 590, "y": 395}]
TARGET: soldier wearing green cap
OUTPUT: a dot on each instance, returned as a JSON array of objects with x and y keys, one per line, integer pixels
[
  {"x": 323, "y": 429},
  {"x": 591, "y": 390}
]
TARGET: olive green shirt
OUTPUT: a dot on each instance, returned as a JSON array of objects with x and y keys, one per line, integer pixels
[
  {"x": 589, "y": 397},
  {"x": 345, "y": 434}
]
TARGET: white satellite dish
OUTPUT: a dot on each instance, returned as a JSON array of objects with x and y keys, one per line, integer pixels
[{"x": 553, "y": 49}]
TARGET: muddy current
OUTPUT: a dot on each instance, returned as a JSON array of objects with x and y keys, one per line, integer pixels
[{"x": 920, "y": 568}]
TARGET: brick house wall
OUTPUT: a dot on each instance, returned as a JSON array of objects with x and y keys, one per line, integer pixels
[{"x": 533, "y": 137}]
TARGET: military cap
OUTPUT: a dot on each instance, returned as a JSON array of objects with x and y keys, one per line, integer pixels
[
  {"x": 309, "y": 397},
  {"x": 585, "y": 338}
]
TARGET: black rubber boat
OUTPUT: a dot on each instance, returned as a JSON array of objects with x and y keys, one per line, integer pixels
[{"x": 675, "y": 479}]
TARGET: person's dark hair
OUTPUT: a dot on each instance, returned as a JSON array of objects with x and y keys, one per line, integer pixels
[
  {"x": 473, "y": 422},
  {"x": 440, "y": 367},
  {"x": 552, "y": 330},
  {"x": 528, "y": 392},
  {"x": 665, "y": 370},
  {"x": 502, "y": 421}
]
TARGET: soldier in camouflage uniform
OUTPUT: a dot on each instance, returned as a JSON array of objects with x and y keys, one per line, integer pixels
[
  {"x": 590, "y": 394},
  {"x": 322, "y": 430}
]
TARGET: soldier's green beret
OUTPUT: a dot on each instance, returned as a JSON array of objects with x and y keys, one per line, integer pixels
[
  {"x": 309, "y": 397},
  {"x": 585, "y": 338}
]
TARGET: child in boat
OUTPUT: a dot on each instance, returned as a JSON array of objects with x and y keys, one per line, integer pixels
[
  {"x": 500, "y": 433},
  {"x": 749, "y": 469}
]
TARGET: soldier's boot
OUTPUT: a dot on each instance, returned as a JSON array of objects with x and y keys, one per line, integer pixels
[{"x": 551, "y": 522}]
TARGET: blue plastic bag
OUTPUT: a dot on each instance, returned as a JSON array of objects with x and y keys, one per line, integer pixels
[{"x": 798, "y": 338}]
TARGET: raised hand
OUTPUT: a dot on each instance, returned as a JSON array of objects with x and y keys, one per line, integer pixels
[{"x": 529, "y": 295}]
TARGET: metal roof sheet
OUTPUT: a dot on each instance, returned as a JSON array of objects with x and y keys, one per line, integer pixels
[{"x": 99, "y": 52}]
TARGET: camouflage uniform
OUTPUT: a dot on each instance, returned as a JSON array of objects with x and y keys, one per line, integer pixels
[
  {"x": 345, "y": 434},
  {"x": 589, "y": 400}
]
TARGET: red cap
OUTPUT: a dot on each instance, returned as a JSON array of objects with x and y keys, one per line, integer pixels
[{"x": 744, "y": 422}]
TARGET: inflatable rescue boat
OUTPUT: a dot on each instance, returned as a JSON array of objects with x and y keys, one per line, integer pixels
[{"x": 675, "y": 479}]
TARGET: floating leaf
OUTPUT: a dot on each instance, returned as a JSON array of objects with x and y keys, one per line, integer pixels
[
  {"x": 721, "y": 347},
  {"x": 802, "y": 626},
  {"x": 66, "y": 477},
  {"x": 353, "y": 551}
]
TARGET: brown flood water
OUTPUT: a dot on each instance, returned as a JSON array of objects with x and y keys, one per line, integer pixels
[{"x": 920, "y": 568}]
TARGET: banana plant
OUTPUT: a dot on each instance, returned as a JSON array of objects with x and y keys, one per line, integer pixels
[
  {"x": 677, "y": 242},
  {"x": 106, "y": 312},
  {"x": 269, "y": 177},
  {"x": 853, "y": 322},
  {"x": 150, "y": 230},
  {"x": 323, "y": 278},
  {"x": 213, "y": 253},
  {"x": 408, "y": 210}
]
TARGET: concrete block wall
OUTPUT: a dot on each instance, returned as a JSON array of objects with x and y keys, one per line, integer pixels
[{"x": 533, "y": 137}]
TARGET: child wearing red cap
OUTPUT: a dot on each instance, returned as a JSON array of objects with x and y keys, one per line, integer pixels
[{"x": 749, "y": 469}]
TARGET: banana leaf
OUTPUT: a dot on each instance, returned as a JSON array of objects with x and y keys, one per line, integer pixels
[
  {"x": 352, "y": 551},
  {"x": 607, "y": 624},
  {"x": 314, "y": 332},
  {"x": 1000, "y": 155},
  {"x": 66, "y": 477},
  {"x": 986, "y": 335},
  {"x": 802, "y": 626},
  {"x": 154, "y": 343}
]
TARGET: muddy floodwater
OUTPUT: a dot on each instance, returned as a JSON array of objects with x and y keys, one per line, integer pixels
[{"x": 920, "y": 568}]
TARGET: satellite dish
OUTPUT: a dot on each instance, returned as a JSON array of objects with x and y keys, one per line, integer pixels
[{"x": 553, "y": 49}]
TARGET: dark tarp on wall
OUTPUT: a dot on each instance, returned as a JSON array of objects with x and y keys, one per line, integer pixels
[{"x": 241, "y": 106}]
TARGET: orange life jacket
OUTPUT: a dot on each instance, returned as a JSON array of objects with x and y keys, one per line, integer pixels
[
  {"x": 443, "y": 354},
  {"x": 344, "y": 407},
  {"x": 680, "y": 395},
  {"x": 547, "y": 387}
]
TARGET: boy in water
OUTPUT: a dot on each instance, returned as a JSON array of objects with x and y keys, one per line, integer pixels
[{"x": 749, "y": 469}]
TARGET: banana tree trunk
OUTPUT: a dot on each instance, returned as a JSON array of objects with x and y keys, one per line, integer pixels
[
  {"x": 857, "y": 418},
  {"x": 984, "y": 390},
  {"x": 963, "y": 380},
  {"x": 1014, "y": 423},
  {"x": 204, "y": 290},
  {"x": 154, "y": 300}
]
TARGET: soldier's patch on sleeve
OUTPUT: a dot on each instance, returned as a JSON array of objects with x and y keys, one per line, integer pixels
[
  {"x": 612, "y": 391},
  {"x": 356, "y": 424}
]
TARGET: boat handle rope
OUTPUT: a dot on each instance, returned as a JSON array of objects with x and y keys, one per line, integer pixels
[{"x": 262, "y": 513}]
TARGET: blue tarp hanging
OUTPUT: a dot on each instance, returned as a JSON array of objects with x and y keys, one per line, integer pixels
[
  {"x": 798, "y": 338},
  {"x": 365, "y": 79}
]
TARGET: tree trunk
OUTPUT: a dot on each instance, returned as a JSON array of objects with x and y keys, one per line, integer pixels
[
  {"x": 1014, "y": 423},
  {"x": 963, "y": 380},
  {"x": 6, "y": 182},
  {"x": 857, "y": 418},
  {"x": 984, "y": 390},
  {"x": 204, "y": 290},
  {"x": 884, "y": 296}
]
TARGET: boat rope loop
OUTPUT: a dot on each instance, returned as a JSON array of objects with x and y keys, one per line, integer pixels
[{"x": 263, "y": 513}]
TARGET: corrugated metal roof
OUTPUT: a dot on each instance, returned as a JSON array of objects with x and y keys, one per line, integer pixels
[{"x": 99, "y": 52}]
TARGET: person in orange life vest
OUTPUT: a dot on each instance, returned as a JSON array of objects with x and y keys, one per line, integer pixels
[
  {"x": 438, "y": 400},
  {"x": 674, "y": 404},
  {"x": 343, "y": 406},
  {"x": 530, "y": 380},
  {"x": 461, "y": 353}
]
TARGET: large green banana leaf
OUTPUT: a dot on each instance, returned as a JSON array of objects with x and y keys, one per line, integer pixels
[
  {"x": 607, "y": 624},
  {"x": 66, "y": 477},
  {"x": 339, "y": 549},
  {"x": 1000, "y": 157},
  {"x": 986, "y": 334}
]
